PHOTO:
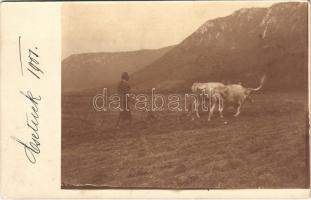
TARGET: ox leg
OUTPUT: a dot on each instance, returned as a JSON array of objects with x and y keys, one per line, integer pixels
[
  {"x": 221, "y": 108},
  {"x": 197, "y": 108},
  {"x": 238, "y": 110},
  {"x": 211, "y": 112},
  {"x": 220, "y": 114},
  {"x": 248, "y": 98},
  {"x": 193, "y": 108},
  {"x": 190, "y": 109}
]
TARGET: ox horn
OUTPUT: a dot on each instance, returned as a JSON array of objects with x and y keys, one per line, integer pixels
[{"x": 262, "y": 80}]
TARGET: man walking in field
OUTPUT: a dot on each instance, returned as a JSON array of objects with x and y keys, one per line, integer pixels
[{"x": 123, "y": 90}]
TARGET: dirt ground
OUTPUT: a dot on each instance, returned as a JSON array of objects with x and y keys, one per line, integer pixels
[{"x": 265, "y": 147}]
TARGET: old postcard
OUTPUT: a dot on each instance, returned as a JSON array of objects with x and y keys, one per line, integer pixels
[{"x": 196, "y": 99}]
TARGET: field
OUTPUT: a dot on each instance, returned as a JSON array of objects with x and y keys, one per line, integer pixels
[{"x": 265, "y": 147}]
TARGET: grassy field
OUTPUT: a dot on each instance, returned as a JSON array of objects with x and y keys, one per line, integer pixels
[{"x": 265, "y": 147}]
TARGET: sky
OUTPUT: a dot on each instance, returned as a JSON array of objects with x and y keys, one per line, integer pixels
[{"x": 127, "y": 26}]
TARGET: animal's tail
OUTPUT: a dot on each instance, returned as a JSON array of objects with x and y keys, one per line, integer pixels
[{"x": 262, "y": 80}]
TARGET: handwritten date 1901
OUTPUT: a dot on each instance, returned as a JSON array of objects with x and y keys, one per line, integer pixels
[
  {"x": 33, "y": 63},
  {"x": 31, "y": 144}
]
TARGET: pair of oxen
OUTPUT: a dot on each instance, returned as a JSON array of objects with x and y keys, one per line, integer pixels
[{"x": 215, "y": 94}]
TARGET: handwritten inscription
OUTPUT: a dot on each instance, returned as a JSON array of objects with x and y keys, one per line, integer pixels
[
  {"x": 32, "y": 122},
  {"x": 33, "y": 64},
  {"x": 32, "y": 145}
]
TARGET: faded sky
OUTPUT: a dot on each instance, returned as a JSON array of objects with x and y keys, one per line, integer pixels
[{"x": 126, "y": 26}]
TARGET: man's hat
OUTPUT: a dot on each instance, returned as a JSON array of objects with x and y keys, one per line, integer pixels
[{"x": 125, "y": 76}]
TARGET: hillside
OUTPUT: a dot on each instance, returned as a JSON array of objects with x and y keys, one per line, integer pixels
[
  {"x": 240, "y": 47},
  {"x": 92, "y": 70}
]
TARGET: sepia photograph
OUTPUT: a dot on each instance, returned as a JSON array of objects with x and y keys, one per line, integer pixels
[{"x": 185, "y": 95}]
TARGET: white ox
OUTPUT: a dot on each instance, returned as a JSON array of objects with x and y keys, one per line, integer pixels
[
  {"x": 208, "y": 91},
  {"x": 235, "y": 94}
]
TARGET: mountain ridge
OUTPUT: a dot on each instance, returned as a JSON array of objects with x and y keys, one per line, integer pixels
[
  {"x": 100, "y": 69},
  {"x": 240, "y": 47}
]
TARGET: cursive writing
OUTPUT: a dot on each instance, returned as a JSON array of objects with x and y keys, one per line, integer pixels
[{"x": 32, "y": 145}]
